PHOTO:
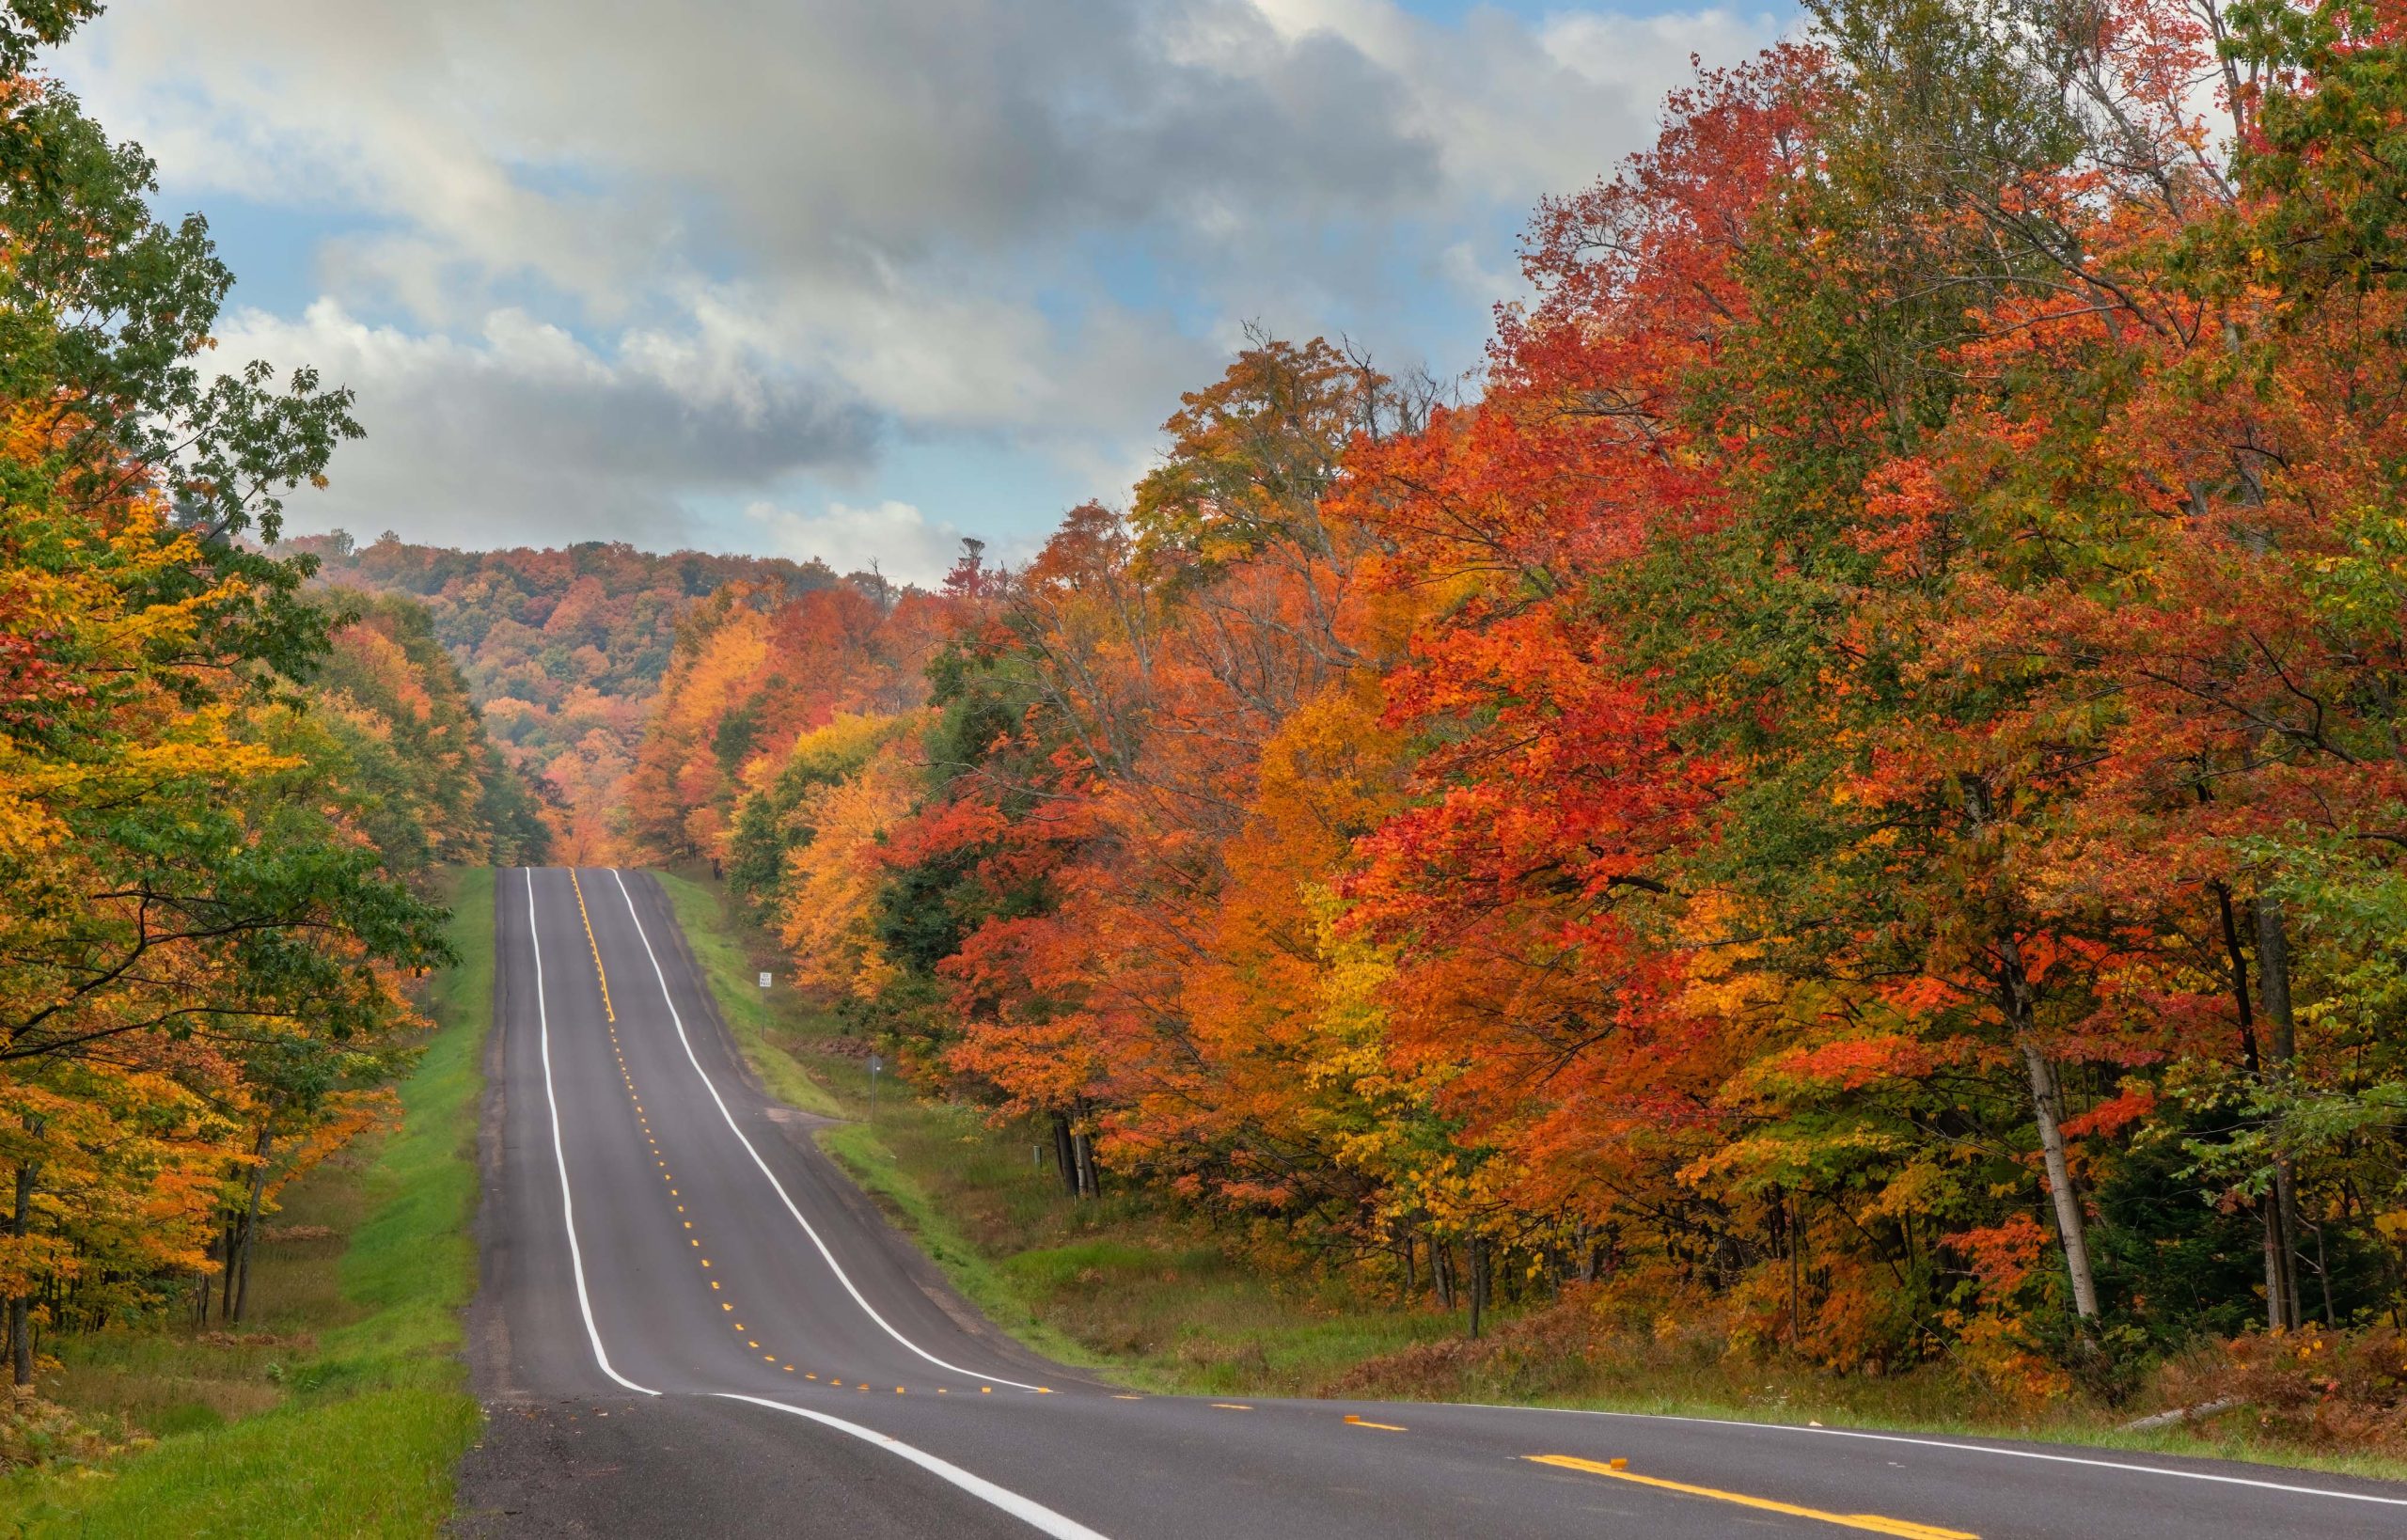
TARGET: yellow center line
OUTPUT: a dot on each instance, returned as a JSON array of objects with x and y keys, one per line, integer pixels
[
  {"x": 1353, "y": 1421},
  {"x": 602, "y": 976},
  {"x": 595, "y": 945},
  {"x": 1874, "y": 1523}
]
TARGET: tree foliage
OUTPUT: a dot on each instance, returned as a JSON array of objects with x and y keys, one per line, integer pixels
[
  {"x": 221, "y": 793},
  {"x": 1857, "y": 780}
]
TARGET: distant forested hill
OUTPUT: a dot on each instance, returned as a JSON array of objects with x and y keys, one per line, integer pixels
[{"x": 563, "y": 650}]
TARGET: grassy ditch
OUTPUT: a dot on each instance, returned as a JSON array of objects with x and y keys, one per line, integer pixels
[
  {"x": 341, "y": 1405},
  {"x": 1158, "y": 1301}
]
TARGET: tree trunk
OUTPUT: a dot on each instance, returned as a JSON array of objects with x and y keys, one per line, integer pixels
[
  {"x": 264, "y": 1145},
  {"x": 20, "y": 1341},
  {"x": 2323, "y": 1276},
  {"x": 228, "y": 1243},
  {"x": 1090, "y": 1180},
  {"x": 2021, "y": 1016},
  {"x": 1441, "y": 1273},
  {"x": 2273, "y": 966},
  {"x": 2273, "y": 979},
  {"x": 1065, "y": 1159},
  {"x": 2046, "y": 1111},
  {"x": 2277, "y": 1308},
  {"x": 1792, "y": 1214},
  {"x": 1478, "y": 1282},
  {"x": 2278, "y": 1305},
  {"x": 2069, "y": 1228},
  {"x": 2248, "y": 1055}
]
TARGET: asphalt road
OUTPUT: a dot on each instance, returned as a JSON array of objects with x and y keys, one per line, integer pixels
[{"x": 691, "y": 1323}]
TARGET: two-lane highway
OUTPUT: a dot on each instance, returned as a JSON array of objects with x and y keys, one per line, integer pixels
[{"x": 692, "y": 1323}]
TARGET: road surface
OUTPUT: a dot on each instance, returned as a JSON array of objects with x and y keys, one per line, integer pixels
[{"x": 692, "y": 1324}]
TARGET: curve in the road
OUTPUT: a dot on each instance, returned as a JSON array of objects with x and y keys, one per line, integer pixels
[
  {"x": 637, "y": 1411},
  {"x": 677, "y": 1018}
]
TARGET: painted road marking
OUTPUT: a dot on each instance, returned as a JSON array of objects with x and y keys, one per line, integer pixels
[
  {"x": 1873, "y": 1523},
  {"x": 1967, "y": 1449},
  {"x": 567, "y": 1205},
  {"x": 651, "y": 1139},
  {"x": 1353, "y": 1421},
  {"x": 613, "y": 1016},
  {"x": 1229, "y": 1405},
  {"x": 678, "y": 1019},
  {"x": 1035, "y": 1515}
]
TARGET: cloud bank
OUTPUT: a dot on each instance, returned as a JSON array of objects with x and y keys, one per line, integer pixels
[{"x": 594, "y": 266}]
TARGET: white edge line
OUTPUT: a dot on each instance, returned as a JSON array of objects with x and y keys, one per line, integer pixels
[
  {"x": 567, "y": 1205},
  {"x": 833, "y": 1266},
  {"x": 1969, "y": 1449},
  {"x": 1033, "y": 1514}
]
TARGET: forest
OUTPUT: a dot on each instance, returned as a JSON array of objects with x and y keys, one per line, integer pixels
[
  {"x": 1848, "y": 785},
  {"x": 1851, "y": 787},
  {"x": 562, "y": 650}
]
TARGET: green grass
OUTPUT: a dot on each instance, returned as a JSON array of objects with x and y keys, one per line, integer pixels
[
  {"x": 754, "y": 1015},
  {"x": 1156, "y": 1300},
  {"x": 342, "y": 1407}
]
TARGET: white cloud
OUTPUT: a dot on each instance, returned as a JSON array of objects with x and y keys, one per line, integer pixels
[
  {"x": 650, "y": 254},
  {"x": 895, "y": 538}
]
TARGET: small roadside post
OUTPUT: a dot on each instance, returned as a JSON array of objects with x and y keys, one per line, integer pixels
[
  {"x": 763, "y": 1033},
  {"x": 876, "y": 1064}
]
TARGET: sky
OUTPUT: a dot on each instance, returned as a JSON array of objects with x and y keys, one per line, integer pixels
[{"x": 846, "y": 279}]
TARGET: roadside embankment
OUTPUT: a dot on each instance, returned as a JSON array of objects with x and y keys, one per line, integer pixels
[{"x": 341, "y": 1406}]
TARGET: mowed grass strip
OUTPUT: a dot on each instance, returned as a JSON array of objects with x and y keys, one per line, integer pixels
[
  {"x": 761, "y": 1021},
  {"x": 342, "y": 1407}
]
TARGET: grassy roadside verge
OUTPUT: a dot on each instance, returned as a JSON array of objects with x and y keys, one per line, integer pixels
[
  {"x": 341, "y": 1407},
  {"x": 1158, "y": 1304}
]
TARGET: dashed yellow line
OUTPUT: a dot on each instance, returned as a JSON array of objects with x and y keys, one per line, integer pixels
[
  {"x": 644, "y": 1121},
  {"x": 1872, "y": 1523},
  {"x": 1352, "y": 1420},
  {"x": 595, "y": 945}
]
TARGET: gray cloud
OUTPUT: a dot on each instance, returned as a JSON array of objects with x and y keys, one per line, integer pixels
[{"x": 526, "y": 434}]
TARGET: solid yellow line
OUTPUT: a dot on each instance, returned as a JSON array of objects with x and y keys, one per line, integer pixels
[
  {"x": 1874, "y": 1523},
  {"x": 590, "y": 942},
  {"x": 1353, "y": 1421}
]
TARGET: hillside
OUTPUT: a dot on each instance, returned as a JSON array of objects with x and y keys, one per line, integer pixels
[{"x": 562, "y": 650}]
